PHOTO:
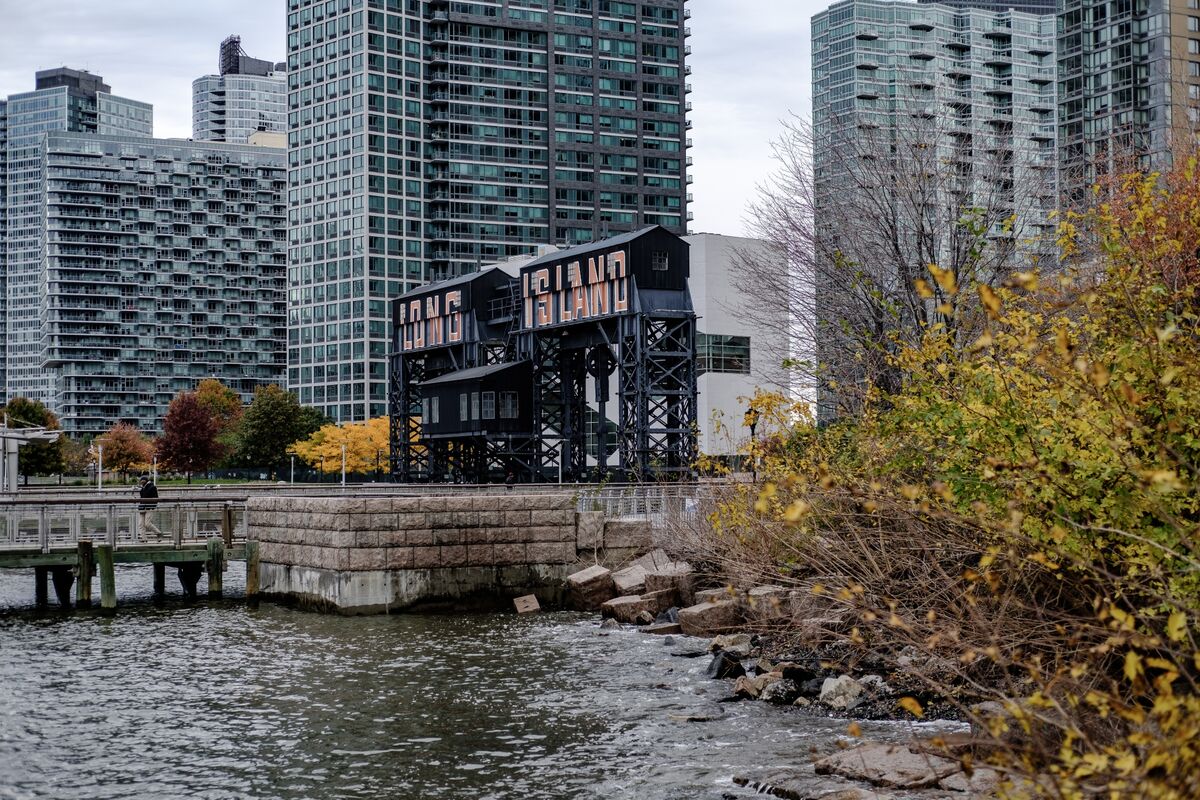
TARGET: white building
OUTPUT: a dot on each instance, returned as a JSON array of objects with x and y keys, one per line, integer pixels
[
  {"x": 742, "y": 342},
  {"x": 249, "y": 95}
]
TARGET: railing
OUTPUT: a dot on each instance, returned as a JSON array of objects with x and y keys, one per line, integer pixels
[
  {"x": 653, "y": 501},
  {"x": 35, "y": 526}
]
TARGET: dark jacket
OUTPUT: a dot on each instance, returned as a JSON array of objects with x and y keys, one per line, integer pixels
[{"x": 149, "y": 494}]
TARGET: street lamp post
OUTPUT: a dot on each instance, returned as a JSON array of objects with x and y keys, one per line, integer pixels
[{"x": 752, "y": 421}]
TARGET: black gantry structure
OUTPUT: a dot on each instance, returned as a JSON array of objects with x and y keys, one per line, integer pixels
[{"x": 511, "y": 370}]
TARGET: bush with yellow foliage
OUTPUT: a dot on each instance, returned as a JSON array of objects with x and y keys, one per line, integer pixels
[{"x": 1024, "y": 511}]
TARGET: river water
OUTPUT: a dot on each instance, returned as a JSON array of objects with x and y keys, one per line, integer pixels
[{"x": 220, "y": 700}]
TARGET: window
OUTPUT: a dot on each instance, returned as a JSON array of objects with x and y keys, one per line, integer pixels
[
  {"x": 508, "y": 405},
  {"x": 462, "y": 407},
  {"x": 716, "y": 353},
  {"x": 489, "y": 405},
  {"x": 659, "y": 260},
  {"x": 433, "y": 402},
  {"x": 425, "y": 411},
  {"x": 474, "y": 405}
]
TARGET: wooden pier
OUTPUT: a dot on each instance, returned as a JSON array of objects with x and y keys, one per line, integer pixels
[{"x": 70, "y": 544}]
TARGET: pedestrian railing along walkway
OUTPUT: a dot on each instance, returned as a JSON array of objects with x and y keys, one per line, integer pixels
[
  {"x": 41, "y": 526},
  {"x": 653, "y": 501}
]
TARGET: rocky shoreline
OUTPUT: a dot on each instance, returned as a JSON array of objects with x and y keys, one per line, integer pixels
[{"x": 661, "y": 597}]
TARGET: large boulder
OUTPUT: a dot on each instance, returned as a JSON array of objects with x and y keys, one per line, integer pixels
[
  {"x": 660, "y": 601},
  {"x": 590, "y": 588},
  {"x": 725, "y": 665},
  {"x": 779, "y": 690},
  {"x": 711, "y": 618},
  {"x": 887, "y": 765},
  {"x": 630, "y": 580},
  {"x": 626, "y": 609},
  {"x": 676, "y": 575},
  {"x": 842, "y": 692},
  {"x": 739, "y": 645}
]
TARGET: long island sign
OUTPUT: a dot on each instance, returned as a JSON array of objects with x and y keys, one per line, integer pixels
[{"x": 575, "y": 289}]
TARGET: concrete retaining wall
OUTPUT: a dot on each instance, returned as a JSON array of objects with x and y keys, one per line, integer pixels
[{"x": 374, "y": 555}]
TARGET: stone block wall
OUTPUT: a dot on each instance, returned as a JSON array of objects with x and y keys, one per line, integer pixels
[
  {"x": 371, "y": 555},
  {"x": 350, "y": 534}
]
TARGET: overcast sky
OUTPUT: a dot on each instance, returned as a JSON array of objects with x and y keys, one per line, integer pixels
[{"x": 750, "y": 69}]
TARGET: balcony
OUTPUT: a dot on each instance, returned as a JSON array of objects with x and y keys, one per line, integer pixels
[{"x": 867, "y": 35}]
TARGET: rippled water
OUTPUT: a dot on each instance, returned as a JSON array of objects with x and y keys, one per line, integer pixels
[{"x": 220, "y": 700}]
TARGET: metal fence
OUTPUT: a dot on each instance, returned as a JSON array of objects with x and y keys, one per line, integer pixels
[
  {"x": 655, "y": 502},
  {"x": 42, "y": 526}
]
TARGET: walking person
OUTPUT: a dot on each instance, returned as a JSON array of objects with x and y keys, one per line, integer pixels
[{"x": 148, "y": 493}]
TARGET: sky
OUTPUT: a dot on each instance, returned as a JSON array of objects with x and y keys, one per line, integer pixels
[{"x": 750, "y": 70}]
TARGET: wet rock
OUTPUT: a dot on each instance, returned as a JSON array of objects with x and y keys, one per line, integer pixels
[
  {"x": 676, "y": 576},
  {"x": 875, "y": 685},
  {"x": 709, "y": 595},
  {"x": 644, "y": 618},
  {"x": 802, "y": 702},
  {"x": 738, "y": 645},
  {"x": 660, "y": 601},
  {"x": 983, "y": 781},
  {"x": 811, "y": 687},
  {"x": 590, "y": 588},
  {"x": 663, "y": 628},
  {"x": 631, "y": 580},
  {"x": 751, "y": 686},
  {"x": 610, "y": 625},
  {"x": 781, "y": 692},
  {"x": 708, "y": 619},
  {"x": 625, "y": 609},
  {"x": 670, "y": 615},
  {"x": 800, "y": 673},
  {"x": 842, "y": 692},
  {"x": 889, "y": 766},
  {"x": 668, "y": 641},
  {"x": 723, "y": 665},
  {"x": 805, "y": 785}
]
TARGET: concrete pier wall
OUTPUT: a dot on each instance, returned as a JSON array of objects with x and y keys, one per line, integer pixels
[{"x": 374, "y": 555}]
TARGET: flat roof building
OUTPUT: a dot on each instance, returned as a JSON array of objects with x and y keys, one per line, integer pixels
[
  {"x": 163, "y": 264},
  {"x": 63, "y": 99},
  {"x": 247, "y": 96}
]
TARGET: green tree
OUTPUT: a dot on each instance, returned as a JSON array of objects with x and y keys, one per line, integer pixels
[
  {"x": 36, "y": 458},
  {"x": 225, "y": 406},
  {"x": 274, "y": 421},
  {"x": 189, "y": 441}
]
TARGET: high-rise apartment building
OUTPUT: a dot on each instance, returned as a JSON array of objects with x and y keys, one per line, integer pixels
[
  {"x": 162, "y": 264},
  {"x": 1026, "y": 6},
  {"x": 427, "y": 138},
  {"x": 247, "y": 95},
  {"x": 63, "y": 100},
  {"x": 943, "y": 115},
  {"x": 1128, "y": 86}
]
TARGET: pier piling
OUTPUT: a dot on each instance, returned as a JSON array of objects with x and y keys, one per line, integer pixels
[
  {"x": 40, "y": 589},
  {"x": 85, "y": 568},
  {"x": 108, "y": 578},
  {"x": 160, "y": 580},
  {"x": 215, "y": 566}
]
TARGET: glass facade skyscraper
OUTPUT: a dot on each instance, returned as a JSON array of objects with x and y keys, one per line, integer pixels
[
  {"x": 1128, "y": 87},
  {"x": 63, "y": 100},
  {"x": 427, "y": 137},
  {"x": 248, "y": 95},
  {"x": 938, "y": 123}
]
